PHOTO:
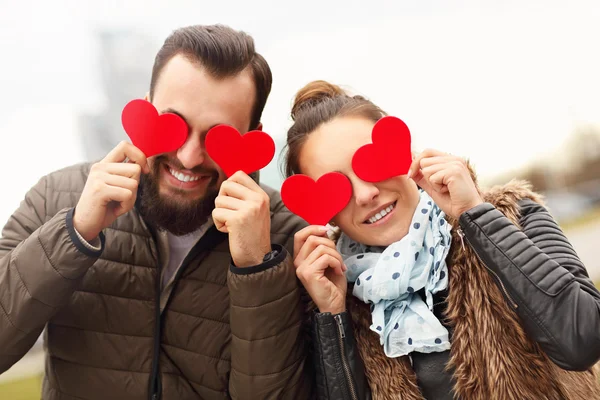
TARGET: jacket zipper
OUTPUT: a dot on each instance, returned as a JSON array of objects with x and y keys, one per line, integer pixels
[
  {"x": 207, "y": 242},
  {"x": 345, "y": 367},
  {"x": 508, "y": 297},
  {"x": 155, "y": 375},
  {"x": 154, "y": 383}
]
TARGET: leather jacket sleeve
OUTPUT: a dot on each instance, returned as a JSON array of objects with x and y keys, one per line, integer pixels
[
  {"x": 543, "y": 278},
  {"x": 339, "y": 369},
  {"x": 536, "y": 267}
]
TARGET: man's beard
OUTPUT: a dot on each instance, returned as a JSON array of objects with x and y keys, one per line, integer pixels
[{"x": 176, "y": 215}]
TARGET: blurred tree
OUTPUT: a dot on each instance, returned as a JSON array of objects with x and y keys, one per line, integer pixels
[
  {"x": 539, "y": 177},
  {"x": 584, "y": 154}
]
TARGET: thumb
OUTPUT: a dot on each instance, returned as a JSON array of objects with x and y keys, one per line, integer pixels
[
  {"x": 422, "y": 182},
  {"x": 221, "y": 226}
]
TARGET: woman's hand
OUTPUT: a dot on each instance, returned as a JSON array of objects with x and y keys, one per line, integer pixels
[
  {"x": 447, "y": 179},
  {"x": 321, "y": 269}
]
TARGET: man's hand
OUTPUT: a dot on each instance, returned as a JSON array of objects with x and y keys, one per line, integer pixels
[
  {"x": 242, "y": 209},
  {"x": 321, "y": 269},
  {"x": 447, "y": 180},
  {"x": 110, "y": 190}
]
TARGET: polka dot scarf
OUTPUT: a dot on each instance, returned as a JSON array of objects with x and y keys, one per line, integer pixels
[{"x": 388, "y": 279}]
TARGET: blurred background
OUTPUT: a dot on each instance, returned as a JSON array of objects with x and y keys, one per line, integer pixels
[{"x": 512, "y": 85}]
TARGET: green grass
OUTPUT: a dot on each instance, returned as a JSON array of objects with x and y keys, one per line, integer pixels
[{"x": 24, "y": 389}]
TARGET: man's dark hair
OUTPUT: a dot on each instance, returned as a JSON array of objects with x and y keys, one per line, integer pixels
[{"x": 223, "y": 52}]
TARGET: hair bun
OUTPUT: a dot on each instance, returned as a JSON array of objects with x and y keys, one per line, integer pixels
[{"x": 313, "y": 93}]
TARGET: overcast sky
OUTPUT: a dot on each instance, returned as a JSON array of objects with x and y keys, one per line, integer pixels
[{"x": 497, "y": 81}]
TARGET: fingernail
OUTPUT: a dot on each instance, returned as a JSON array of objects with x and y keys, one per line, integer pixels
[
  {"x": 409, "y": 175},
  {"x": 323, "y": 228},
  {"x": 345, "y": 267}
]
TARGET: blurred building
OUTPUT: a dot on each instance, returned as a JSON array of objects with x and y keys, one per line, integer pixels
[{"x": 125, "y": 60}]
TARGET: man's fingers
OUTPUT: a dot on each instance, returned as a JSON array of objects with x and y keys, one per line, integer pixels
[
  {"x": 245, "y": 180},
  {"x": 302, "y": 235},
  {"x": 127, "y": 170},
  {"x": 220, "y": 217},
  {"x": 126, "y": 150},
  {"x": 116, "y": 193},
  {"x": 237, "y": 190},
  {"x": 230, "y": 203},
  {"x": 120, "y": 181}
]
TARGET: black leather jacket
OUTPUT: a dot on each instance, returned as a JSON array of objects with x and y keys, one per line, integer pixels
[{"x": 559, "y": 306}]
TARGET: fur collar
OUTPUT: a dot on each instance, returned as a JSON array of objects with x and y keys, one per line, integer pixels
[{"x": 510, "y": 367}]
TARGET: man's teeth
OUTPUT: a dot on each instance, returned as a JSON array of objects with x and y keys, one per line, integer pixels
[
  {"x": 381, "y": 214},
  {"x": 183, "y": 177}
]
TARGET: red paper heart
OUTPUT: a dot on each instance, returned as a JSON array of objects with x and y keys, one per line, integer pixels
[
  {"x": 234, "y": 152},
  {"x": 317, "y": 202},
  {"x": 389, "y": 155},
  {"x": 152, "y": 133}
]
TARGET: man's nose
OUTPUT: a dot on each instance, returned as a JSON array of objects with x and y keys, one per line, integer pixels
[{"x": 192, "y": 153}]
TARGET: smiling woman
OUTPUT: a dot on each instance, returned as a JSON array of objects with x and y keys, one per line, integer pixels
[
  {"x": 429, "y": 258},
  {"x": 312, "y": 155}
]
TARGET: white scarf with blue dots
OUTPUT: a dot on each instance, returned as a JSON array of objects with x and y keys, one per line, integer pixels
[{"x": 388, "y": 279}]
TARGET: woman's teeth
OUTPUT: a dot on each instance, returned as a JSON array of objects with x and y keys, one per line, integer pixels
[
  {"x": 381, "y": 214},
  {"x": 182, "y": 177}
]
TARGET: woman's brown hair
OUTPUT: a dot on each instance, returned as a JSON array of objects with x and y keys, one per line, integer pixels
[{"x": 315, "y": 104}]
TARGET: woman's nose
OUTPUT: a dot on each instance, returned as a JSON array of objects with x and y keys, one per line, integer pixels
[{"x": 364, "y": 192}]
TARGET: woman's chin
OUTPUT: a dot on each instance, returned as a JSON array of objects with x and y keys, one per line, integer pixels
[{"x": 381, "y": 241}]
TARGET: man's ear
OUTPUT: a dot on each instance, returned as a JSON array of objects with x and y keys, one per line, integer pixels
[{"x": 147, "y": 96}]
